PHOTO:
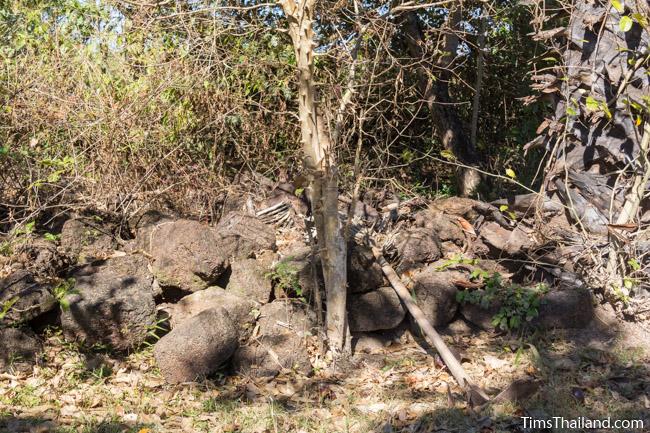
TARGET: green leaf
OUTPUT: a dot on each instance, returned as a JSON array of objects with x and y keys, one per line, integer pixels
[
  {"x": 503, "y": 207},
  {"x": 447, "y": 155},
  {"x": 625, "y": 24},
  {"x": 618, "y": 6},
  {"x": 634, "y": 264},
  {"x": 592, "y": 103},
  {"x": 641, "y": 19},
  {"x": 511, "y": 173}
]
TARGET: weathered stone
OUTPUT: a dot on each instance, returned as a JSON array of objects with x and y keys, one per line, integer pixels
[
  {"x": 186, "y": 254},
  {"x": 416, "y": 247},
  {"x": 376, "y": 310},
  {"x": 445, "y": 226},
  {"x": 113, "y": 303},
  {"x": 239, "y": 309},
  {"x": 197, "y": 347},
  {"x": 242, "y": 235},
  {"x": 283, "y": 327},
  {"x": 364, "y": 273},
  {"x": 250, "y": 279},
  {"x": 567, "y": 307},
  {"x": 510, "y": 242},
  {"x": 41, "y": 257},
  {"x": 435, "y": 293},
  {"x": 27, "y": 298},
  {"x": 20, "y": 349},
  {"x": 560, "y": 308},
  {"x": 86, "y": 239}
]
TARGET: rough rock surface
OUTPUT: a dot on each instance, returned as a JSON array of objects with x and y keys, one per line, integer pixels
[
  {"x": 239, "y": 309},
  {"x": 20, "y": 349},
  {"x": 416, "y": 247},
  {"x": 376, "y": 310},
  {"x": 250, "y": 279},
  {"x": 197, "y": 347},
  {"x": 364, "y": 273},
  {"x": 187, "y": 255},
  {"x": 113, "y": 303},
  {"x": 560, "y": 308},
  {"x": 445, "y": 226},
  {"x": 41, "y": 257},
  {"x": 565, "y": 308},
  {"x": 435, "y": 293},
  {"x": 283, "y": 326},
  {"x": 85, "y": 239},
  {"x": 29, "y": 299},
  {"x": 510, "y": 242},
  {"x": 243, "y": 234}
]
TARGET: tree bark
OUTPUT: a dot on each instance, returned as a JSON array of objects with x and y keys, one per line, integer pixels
[
  {"x": 448, "y": 124},
  {"x": 320, "y": 161}
]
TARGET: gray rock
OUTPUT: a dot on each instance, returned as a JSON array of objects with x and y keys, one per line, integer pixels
[
  {"x": 283, "y": 327},
  {"x": 28, "y": 298},
  {"x": 564, "y": 308},
  {"x": 364, "y": 273},
  {"x": 435, "y": 293},
  {"x": 251, "y": 279},
  {"x": 416, "y": 247},
  {"x": 376, "y": 310},
  {"x": 20, "y": 349},
  {"x": 445, "y": 226},
  {"x": 509, "y": 242},
  {"x": 197, "y": 347},
  {"x": 85, "y": 239},
  {"x": 113, "y": 303},
  {"x": 42, "y": 257},
  {"x": 239, "y": 309},
  {"x": 242, "y": 235},
  {"x": 186, "y": 254}
]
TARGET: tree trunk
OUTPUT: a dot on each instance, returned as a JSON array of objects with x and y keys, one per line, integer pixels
[
  {"x": 448, "y": 124},
  {"x": 319, "y": 160}
]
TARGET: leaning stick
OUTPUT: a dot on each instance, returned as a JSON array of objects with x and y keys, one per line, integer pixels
[{"x": 475, "y": 394}]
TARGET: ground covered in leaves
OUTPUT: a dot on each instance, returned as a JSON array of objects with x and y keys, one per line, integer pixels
[{"x": 400, "y": 388}]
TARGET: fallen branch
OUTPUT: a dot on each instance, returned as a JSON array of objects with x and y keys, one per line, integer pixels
[{"x": 475, "y": 395}]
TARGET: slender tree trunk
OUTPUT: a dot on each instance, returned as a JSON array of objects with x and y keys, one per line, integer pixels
[
  {"x": 319, "y": 159},
  {"x": 447, "y": 122},
  {"x": 479, "y": 78}
]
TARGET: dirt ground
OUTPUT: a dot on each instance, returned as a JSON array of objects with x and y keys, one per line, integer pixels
[{"x": 599, "y": 372}]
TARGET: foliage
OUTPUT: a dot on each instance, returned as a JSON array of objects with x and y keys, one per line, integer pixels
[
  {"x": 62, "y": 291},
  {"x": 285, "y": 277},
  {"x": 518, "y": 305}
]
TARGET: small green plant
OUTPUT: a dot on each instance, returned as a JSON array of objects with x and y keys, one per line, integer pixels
[
  {"x": 456, "y": 260},
  {"x": 61, "y": 292},
  {"x": 285, "y": 277},
  {"x": 51, "y": 237},
  {"x": 26, "y": 229},
  {"x": 6, "y": 306},
  {"x": 6, "y": 249},
  {"x": 519, "y": 305}
]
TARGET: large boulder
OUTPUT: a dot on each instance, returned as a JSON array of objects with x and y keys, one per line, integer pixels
[
  {"x": 566, "y": 307},
  {"x": 561, "y": 308},
  {"x": 364, "y": 273},
  {"x": 86, "y": 239},
  {"x": 435, "y": 293},
  {"x": 187, "y": 255},
  {"x": 41, "y": 257},
  {"x": 376, "y": 310},
  {"x": 20, "y": 349},
  {"x": 251, "y": 279},
  {"x": 445, "y": 226},
  {"x": 280, "y": 344},
  {"x": 416, "y": 247},
  {"x": 242, "y": 235},
  {"x": 112, "y": 303},
  {"x": 197, "y": 347},
  {"x": 26, "y": 298},
  {"x": 239, "y": 309},
  {"x": 510, "y": 242},
  {"x": 191, "y": 256}
]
